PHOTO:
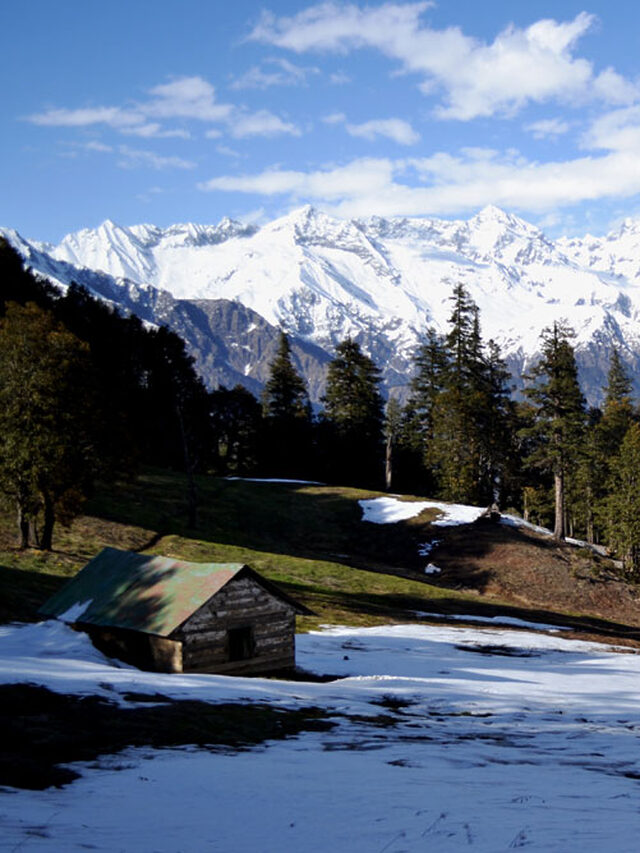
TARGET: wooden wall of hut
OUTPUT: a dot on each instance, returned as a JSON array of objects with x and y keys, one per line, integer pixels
[
  {"x": 242, "y": 630},
  {"x": 146, "y": 651}
]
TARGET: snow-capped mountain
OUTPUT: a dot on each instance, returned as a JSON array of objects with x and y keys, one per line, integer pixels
[{"x": 382, "y": 281}]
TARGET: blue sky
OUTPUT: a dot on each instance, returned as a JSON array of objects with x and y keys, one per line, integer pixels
[{"x": 171, "y": 111}]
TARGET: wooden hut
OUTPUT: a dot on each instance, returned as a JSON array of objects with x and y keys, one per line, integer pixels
[{"x": 172, "y": 616}]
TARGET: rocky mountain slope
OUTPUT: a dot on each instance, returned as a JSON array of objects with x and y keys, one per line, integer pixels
[{"x": 228, "y": 288}]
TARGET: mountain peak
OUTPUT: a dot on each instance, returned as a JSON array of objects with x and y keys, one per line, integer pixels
[
  {"x": 492, "y": 211},
  {"x": 490, "y": 214}
]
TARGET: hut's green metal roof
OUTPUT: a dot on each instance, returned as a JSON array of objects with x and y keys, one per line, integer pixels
[{"x": 123, "y": 589}]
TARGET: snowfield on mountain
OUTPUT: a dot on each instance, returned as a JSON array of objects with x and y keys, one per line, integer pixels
[
  {"x": 443, "y": 738},
  {"x": 382, "y": 281}
]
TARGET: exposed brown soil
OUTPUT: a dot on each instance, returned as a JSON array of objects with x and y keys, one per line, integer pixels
[{"x": 538, "y": 576}]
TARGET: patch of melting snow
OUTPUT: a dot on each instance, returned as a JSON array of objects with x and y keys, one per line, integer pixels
[
  {"x": 432, "y": 569},
  {"x": 389, "y": 510},
  {"x": 511, "y": 621},
  {"x": 76, "y": 610},
  {"x": 516, "y": 521},
  {"x": 427, "y": 547}
]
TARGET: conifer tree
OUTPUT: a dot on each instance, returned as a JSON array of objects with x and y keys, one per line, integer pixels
[
  {"x": 618, "y": 410},
  {"x": 501, "y": 461},
  {"x": 471, "y": 411},
  {"x": 455, "y": 446},
  {"x": 623, "y": 503},
  {"x": 559, "y": 414},
  {"x": 587, "y": 484},
  {"x": 353, "y": 416},
  {"x": 285, "y": 393},
  {"x": 287, "y": 416},
  {"x": 417, "y": 427}
]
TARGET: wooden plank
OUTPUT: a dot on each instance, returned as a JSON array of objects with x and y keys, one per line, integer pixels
[{"x": 254, "y": 665}]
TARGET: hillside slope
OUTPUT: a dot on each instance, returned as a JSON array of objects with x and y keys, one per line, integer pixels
[{"x": 312, "y": 539}]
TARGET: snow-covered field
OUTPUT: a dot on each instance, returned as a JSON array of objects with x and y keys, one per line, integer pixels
[{"x": 490, "y": 740}]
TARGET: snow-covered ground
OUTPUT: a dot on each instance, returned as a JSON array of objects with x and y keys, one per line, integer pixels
[
  {"x": 534, "y": 745},
  {"x": 388, "y": 510}
]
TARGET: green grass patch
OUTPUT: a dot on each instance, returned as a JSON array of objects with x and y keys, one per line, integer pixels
[{"x": 308, "y": 539}]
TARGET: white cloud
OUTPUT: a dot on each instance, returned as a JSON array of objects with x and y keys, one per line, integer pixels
[
  {"x": 185, "y": 98},
  {"x": 115, "y": 117},
  {"x": 339, "y": 78},
  {"x": 149, "y": 195},
  {"x": 446, "y": 184},
  {"x": 618, "y": 130},
  {"x": 551, "y": 127},
  {"x": 131, "y": 158},
  {"x": 334, "y": 118},
  {"x": 520, "y": 66},
  {"x": 153, "y": 130},
  {"x": 280, "y": 72},
  {"x": 261, "y": 123},
  {"x": 396, "y": 129},
  {"x": 95, "y": 145},
  {"x": 359, "y": 178},
  {"x": 226, "y": 151}
]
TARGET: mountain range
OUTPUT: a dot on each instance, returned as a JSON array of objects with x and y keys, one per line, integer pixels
[{"x": 228, "y": 289}]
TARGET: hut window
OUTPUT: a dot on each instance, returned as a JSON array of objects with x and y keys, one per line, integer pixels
[{"x": 240, "y": 643}]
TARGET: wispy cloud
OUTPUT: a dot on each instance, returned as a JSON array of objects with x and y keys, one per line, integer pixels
[
  {"x": 185, "y": 99},
  {"x": 261, "y": 123},
  {"x": 131, "y": 158},
  {"x": 396, "y": 129},
  {"x": 274, "y": 72},
  {"x": 520, "y": 66},
  {"x": 334, "y": 118},
  {"x": 446, "y": 184},
  {"x": 339, "y": 78},
  {"x": 551, "y": 127},
  {"x": 617, "y": 130}
]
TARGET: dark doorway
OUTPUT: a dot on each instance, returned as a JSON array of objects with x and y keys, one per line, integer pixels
[{"x": 240, "y": 643}]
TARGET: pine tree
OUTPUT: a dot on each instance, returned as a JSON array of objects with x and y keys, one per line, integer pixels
[
  {"x": 463, "y": 342},
  {"x": 501, "y": 462},
  {"x": 618, "y": 408},
  {"x": 604, "y": 441},
  {"x": 559, "y": 414},
  {"x": 586, "y": 486},
  {"x": 353, "y": 416},
  {"x": 285, "y": 394},
  {"x": 455, "y": 447},
  {"x": 623, "y": 503},
  {"x": 287, "y": 417},
  {"x": 471, "y": 411},
  {"x": 417, "y": 427}
]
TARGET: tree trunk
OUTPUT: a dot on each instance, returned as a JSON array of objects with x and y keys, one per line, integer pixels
[
  {"x": 559, "y": 528},
  {"x": 23, "y": 528},
  {"x": 590, "y": 521},
  {"x": 388, "y": 464},
  {"x": 192, "y": 493},
  {"x": 46, "y": 540}
]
